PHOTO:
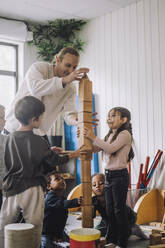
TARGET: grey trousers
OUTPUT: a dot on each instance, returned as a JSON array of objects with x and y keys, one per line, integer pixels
[{"x": 31, "y": 201}]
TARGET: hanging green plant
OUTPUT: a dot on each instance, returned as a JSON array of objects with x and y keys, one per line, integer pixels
[{"x": 52, "y": 37}]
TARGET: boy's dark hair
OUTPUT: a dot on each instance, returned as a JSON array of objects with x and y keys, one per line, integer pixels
[
  {"x": 27, "y": 108},
  {"x": 126, "y": 126},
  {"x": 48, "y": 176}
]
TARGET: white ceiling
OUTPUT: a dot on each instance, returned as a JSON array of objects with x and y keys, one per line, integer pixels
[{"x": 44, "y": 10}]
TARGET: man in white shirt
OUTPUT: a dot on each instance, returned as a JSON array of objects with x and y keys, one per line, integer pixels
[{"x": 52, "y": 84}]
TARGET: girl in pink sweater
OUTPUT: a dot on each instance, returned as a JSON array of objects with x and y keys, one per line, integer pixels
[{"x": 117, "y": 149}]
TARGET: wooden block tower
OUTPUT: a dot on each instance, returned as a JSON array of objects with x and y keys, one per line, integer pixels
[{"x": 85, "y": 120}]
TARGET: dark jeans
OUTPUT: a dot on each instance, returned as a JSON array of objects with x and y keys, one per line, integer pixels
[
  {"x": 102, "y": 227},
  {"x": 116, "y": 187}
]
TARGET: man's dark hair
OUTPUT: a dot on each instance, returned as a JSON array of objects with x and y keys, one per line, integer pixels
[{"x": 27, "y": 108}]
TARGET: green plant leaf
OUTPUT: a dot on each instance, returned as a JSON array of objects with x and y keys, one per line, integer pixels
[{"x": 50, "y": 38}]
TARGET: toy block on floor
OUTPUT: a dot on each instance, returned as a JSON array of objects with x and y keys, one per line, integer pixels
[
  {"x": 155, "y": 239},
  {"x": 163, "y": 240}
]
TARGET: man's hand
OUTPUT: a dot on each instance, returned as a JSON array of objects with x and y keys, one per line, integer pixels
[{"x": 75, "y": 75}]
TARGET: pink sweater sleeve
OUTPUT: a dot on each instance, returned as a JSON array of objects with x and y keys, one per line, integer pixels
[
  {"x": 122, "y": 139},
  {"x": 96, "y": 148}
]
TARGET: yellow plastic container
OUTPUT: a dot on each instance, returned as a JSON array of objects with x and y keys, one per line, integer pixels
[{"x": 84, "y": 238}]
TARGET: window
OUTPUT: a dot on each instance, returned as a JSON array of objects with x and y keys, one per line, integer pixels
[{"x": 8, "y": 72}]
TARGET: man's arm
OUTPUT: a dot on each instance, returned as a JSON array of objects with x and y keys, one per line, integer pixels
[
  {"x": 75, "y": 75},
  {"x": 37, "y": 80}
]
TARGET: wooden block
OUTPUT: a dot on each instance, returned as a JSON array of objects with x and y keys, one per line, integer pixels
[
  {"x": 155, "y": 239},
  {"x": 87, "y": 216},
  {"x": 82, "y": 140},
  {"x": 87, "y": 156},
  {"x": 86, "y": 171},
  {"x": 86, "y": 142},
  {"x": 163, "y": 240},
  {"x": 156, "y": 231},
  {"x": 85, "y": 106},
  {"x": 82, "y": 125},
  {"x": 87, "y": 194},
  {"x": 84, "y": 117},
  {"x": 85, "y": 90},
  {"x": 154, "y": 223}
]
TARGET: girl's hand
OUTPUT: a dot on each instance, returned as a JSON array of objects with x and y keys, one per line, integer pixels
[
  {"x": 80, "y": 200},
  {"x": 89, "y": 133},
  {"x": 94, "y": 120}
]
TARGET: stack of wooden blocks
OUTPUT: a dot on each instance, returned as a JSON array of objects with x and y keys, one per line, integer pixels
[
  {"x": 85, "y": 121},
  {"x": 157, "y": 239}
]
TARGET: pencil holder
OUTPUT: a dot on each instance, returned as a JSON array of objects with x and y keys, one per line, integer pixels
[{"x": 134, "y": 194}]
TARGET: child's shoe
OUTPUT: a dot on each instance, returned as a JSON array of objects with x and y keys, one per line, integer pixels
[{"x": 110, "y": 245}]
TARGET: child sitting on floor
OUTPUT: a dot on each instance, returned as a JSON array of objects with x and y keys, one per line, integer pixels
[
  {"x": 98, "y": 201},
  {"x": 56, "y": 211}
]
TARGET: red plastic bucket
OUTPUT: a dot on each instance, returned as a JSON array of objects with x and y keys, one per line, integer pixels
[{"x": 84, "y": 238}]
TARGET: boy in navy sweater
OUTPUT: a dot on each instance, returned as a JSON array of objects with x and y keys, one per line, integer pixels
[{"x": 56, "y": 211}]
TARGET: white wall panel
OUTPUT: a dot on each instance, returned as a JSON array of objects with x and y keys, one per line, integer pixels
[{"x": 127, "y": 67}]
